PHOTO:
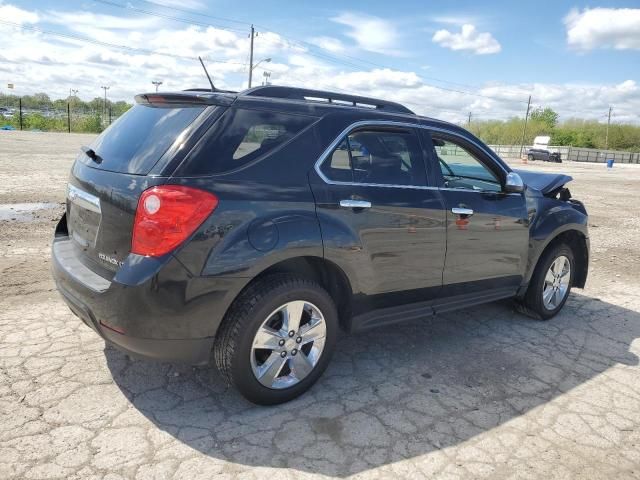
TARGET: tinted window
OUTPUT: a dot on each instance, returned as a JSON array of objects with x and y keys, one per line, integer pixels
[
  {"x": 137, "y": 140},
  {"x": 461, "y": 169},
  {"x": 338, "y": 166},
  {"x": 241, "y": 136},
  {"x": 388, "y": 157}
]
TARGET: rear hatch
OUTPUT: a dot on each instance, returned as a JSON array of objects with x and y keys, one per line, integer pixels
[{"x": 135, "y": 153}]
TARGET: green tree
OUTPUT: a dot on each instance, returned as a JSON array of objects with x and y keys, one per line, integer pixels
[{"x": 547, "y": 116}]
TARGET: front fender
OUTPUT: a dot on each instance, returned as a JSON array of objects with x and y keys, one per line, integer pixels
[{"x": 555, "y": 218}]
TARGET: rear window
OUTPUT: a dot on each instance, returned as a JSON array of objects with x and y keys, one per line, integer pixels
[
  {"x": 136, "y": 141},
  {"x": 241, "y": 136}
]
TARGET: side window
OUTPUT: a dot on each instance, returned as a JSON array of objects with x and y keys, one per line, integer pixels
[
  {"x": 385, "y": 157},
  {"x": 461, "y": 169},
  {"x": 241, "y": 136},
  {"x": 259, "y": 135},
  {"x": 338, "y": 166}
]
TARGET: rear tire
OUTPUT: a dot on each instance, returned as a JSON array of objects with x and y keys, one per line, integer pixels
[
  {"x": 549, "y": 287},
  {"x": 288, "y": 365},
  {"x": 530, "y": 158}
]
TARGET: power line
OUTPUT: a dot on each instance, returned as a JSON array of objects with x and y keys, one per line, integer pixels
[
  {"x": 306, "y": 44},
  {"x": 168, "y": 17},
  {"x": 194, "y": 12},
  {"x": 107, "y": 44},
  {"x": 302, "y": 44}
]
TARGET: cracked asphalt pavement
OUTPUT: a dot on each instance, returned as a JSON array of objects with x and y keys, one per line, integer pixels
[{"x": 480, "y": 393}]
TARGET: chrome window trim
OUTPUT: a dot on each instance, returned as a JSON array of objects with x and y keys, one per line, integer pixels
[{"x": 389, "y": 123}]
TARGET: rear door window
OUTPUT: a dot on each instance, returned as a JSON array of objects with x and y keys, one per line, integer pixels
[
  {"x": 378, "y": 156},
  {"x": 241, "y": 136},
  {"x": 135, "y": 142}
]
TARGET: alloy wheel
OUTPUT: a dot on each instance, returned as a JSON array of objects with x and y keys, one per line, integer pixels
[
  {"x": 287, "y": 346},
  {"x": 556, "y": 283}
]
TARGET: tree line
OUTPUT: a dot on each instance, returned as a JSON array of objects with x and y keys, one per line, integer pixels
[
  {"x": 573, "y": 132},
  {"x": 42, "y": 113}
]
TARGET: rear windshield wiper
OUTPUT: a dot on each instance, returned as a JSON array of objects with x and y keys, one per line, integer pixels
[{"x": 89, "y": 152}]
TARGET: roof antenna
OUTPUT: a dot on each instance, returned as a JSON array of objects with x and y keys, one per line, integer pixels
[{"x": 213, "y": 88}]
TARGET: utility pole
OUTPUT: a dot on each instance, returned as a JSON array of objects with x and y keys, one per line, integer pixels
[
  {"x": 469, "y": 121},
  {"x": 105, "y": 98},
  {"x": 157, "y": 83},
  {"x": 253, "y": 34},
  {"x": 606, "y": 138},
  {"x": 524, "y": 129}
]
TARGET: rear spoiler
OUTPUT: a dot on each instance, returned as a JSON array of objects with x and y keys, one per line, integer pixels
[{"x": 185, "y": 98}]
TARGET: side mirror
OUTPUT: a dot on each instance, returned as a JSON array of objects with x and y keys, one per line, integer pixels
[{"x": 513, "y": 183}]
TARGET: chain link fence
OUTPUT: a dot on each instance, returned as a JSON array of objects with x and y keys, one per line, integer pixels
[
  {"x": 572, "y": 154},
  {"x": 59, "y": 117}
]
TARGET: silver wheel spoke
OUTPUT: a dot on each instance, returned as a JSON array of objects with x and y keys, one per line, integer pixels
[
  {"x": 313, "y": 332},
  {"x": 277, "y": 358},
  {"x": 557, "y": 265},
  {"x": 556, "y": 282},
  {"x": 267, "y": 339},
  {"x": 565, "y": 269},
  {"x": 550, "y": 277},
  {"x": 292, "y": 316},
  {"x": 548, "y": 295},
  {"x": 270, "y": 369},
  {"x": 557, "y": 299},
  {"x": 301, "y": 365}
]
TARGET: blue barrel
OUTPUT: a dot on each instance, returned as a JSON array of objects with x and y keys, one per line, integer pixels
[{"x": 610, "y": 163}]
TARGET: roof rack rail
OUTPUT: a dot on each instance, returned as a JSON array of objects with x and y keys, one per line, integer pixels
[{"x": 310, "y": 95}]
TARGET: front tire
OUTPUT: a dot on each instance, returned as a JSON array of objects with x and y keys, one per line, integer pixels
[
  {"x": 277, "y": 338},
  {"x": 530, "y": 157},
  {"x": 551, "y": 283}
]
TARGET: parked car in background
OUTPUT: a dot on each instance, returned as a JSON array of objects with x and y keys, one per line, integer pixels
[
  {"x": 6, "y": 112},
  {"x": 257, "y": 227},
  {"x": 540, "y": 151}
]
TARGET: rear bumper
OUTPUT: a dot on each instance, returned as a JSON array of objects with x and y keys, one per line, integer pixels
[
  {"x": 168, "y": 315},
  {"x": 191, "y": 351}
]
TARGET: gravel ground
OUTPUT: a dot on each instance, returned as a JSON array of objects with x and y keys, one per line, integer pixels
[{"x": 484, "y": 392}]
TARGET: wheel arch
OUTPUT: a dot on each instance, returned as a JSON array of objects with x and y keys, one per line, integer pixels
[
  {"x": 326, "y": 273},
  {"x": 576, "y": 238}
]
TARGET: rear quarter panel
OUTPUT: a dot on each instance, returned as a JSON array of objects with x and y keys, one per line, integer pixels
[{"x": 266, "y": 214}]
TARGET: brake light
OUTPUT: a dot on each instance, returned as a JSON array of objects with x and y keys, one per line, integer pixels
[{"x": 167, "y": 215}]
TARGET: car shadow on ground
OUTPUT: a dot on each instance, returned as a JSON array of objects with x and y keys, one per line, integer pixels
[{"x": 393, "y": 393}]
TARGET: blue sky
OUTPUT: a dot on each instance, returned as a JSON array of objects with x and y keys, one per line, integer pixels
[{"x": 441, "y": 58}]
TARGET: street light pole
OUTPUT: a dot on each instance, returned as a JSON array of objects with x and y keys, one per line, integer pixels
[
  {"x": 105, "y": 99},
  {"x": 253, "y": 34},
  {"x": 253, "y": 67},
  {"x": 606, "y": 138},
  {"x": 524, "y": 129},
  {"x": 157, "y": 83}
]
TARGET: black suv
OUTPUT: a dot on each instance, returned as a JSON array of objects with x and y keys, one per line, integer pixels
[
  {"x": 544, "y": 155},
  {"x": 257, "y": 226}
]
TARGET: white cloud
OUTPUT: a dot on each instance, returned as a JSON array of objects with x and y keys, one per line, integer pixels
[
  {"x": 371, "y": 33},
  {"x": 188, "y": 4},
  {"x": 458, "y": 20},
  {"x": 17, "y": 15},
  {"x": 331, "y": 44},
  {"x": 468, "y": 39},
  {"x": 83, "y": 20},
  {"x": 617, "y": 28},
  {"x": 36, "y": 62}
]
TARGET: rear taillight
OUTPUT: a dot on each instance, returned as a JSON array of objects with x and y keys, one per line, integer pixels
[{"x": 167, "y": 215}]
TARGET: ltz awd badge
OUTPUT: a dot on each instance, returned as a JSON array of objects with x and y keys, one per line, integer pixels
[{"x": 113, "y": 261}]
